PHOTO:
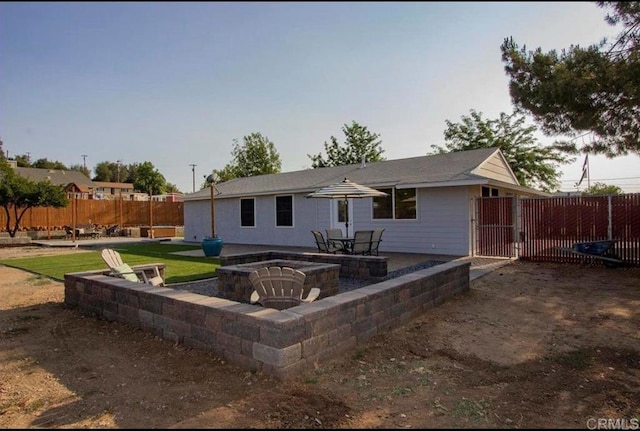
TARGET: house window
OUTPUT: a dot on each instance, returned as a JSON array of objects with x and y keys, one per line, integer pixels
[
  {"x": 341, "y": 211},
  {"x": 398, "y": 204},
  {"x": 405, "y": 202},
  {"x": 284, "y": 211},
  {"x": 383, "y": 205},
  {"x": 489, "y": 191},
  {"x": 248, "y": 212}
]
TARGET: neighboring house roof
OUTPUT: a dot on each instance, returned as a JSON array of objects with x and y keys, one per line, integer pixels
[
  {"x": 440, "y": 170},
  {"x": 75, "y": 188},
  {"x": 113, "y": 185},
  {"x": 57, "y": 177}
]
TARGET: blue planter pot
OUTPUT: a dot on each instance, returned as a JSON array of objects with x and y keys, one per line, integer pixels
[{"x": 212, "y": 246}]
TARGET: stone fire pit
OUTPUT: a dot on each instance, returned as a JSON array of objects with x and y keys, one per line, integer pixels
[{"x": 233, "y": 280}]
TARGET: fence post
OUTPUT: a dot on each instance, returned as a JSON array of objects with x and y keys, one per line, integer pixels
[
  {"x": 517, "y": 226},
  {"x": 474, "y": 226},
  {"x": 610, "y": 221}
]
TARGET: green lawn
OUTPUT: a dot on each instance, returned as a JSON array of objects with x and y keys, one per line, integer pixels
[{"x": 178, "y": 268}]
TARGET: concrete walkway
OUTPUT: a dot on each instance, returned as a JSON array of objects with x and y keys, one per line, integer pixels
[{"x": 479, "y": 265}]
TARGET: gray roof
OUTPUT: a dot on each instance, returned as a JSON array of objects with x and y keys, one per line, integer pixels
[
  {"x": 439, "y": 168},
  {"x": 57, "y": 177}
]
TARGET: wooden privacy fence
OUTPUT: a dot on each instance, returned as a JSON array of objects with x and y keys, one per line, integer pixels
[
  {"x": 535, "y": 228},
  {"x": 101, "y": 213}
]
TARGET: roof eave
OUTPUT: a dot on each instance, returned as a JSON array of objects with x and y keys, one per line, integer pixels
[
  {"x": 476, "y": 182},
  {"x": 457, "y": 183}
]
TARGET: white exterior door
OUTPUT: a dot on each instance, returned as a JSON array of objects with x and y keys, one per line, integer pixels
[{"x": 338, "y": 216}]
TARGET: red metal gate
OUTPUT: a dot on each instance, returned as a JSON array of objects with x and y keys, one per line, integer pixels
[{"x": 495, "y": 227}]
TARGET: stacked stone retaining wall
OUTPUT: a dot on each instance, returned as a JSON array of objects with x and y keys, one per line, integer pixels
[{"x": 280, "y": 343}]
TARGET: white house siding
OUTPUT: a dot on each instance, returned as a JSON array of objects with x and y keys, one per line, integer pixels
[
  {"x": 307, "y": 215},
  {"x": 442, "y": 225},
  {"x": 197, "y": 220},
  {"x": 496, "y": 169}
]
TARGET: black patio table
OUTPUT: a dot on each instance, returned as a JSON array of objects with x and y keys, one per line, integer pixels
[{"x": 347, "y": 244}]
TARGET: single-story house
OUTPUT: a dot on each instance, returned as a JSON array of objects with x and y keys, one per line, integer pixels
[
  {"x": 84, "y": 188},
  {"x": 73, "y": 181},
  {"x": 429, "y": 207}
]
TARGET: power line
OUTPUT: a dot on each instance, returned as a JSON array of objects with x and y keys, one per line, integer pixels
[{"x": 604, "y": 179}]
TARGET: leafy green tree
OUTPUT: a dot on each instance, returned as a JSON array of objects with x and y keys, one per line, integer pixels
[
  {"x": 105, "y": 171},
  {"x": 171, "y": 188},
  {"x": 49, "y": 164},
  {"x": 80, "y": 168},
  {"x": 149, "y": 179},
  {"x": 533, "y": 165},
  {"x": 257, "y": 156},
  {"x": 594, "y": 89},
  {"x": 603, "y": 189},
  {"x": 113, "y": 172},
  {"x": 2, "y": 155},
  {"x": 359, "y": 143},
  {"x": 225, "y": 174},
  {"x": 22, "y": 161},
  {"x": 18, "y": 194},
  {"x": 129, "y": 173}
]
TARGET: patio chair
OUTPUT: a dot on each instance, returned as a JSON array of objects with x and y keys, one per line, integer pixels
[
  {"x": 376, "y": 238},
  {"x": 334, "y": 234},
  {"x": 362, "y": 242},
  {"x": 280, "y": 287},
  {"x": 113, "y": 230},
  {"x": 68, "y": 231},
  {"x": 323, "y": 246},
  {"x": 149, "y": 274}
]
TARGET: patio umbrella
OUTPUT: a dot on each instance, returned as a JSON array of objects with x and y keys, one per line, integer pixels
[{"x": 346, "y": 189}]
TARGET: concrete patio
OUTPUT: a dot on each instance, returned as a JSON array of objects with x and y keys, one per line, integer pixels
[{"x": 479, "y": 265}]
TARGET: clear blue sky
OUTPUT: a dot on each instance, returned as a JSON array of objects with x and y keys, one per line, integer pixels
[{"x": 176, "y": 83}]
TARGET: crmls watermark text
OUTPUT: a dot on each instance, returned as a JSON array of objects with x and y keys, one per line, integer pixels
[{"x": 613, "y": 424}]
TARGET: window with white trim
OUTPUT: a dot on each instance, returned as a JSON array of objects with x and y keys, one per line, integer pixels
[
  {"x": 489, "y": 191},
  {"x": 248, "y": 212},
  {"x": 284, "y": 211},
  {"x": 399, "y": 204}
]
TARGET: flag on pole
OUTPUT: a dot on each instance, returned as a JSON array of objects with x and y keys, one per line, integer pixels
[{"x": 585, "y": 169}]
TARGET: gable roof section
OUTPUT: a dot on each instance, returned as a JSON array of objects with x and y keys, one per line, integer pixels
[
  {"x": 57, "y": 177},
  {"x": 458, "y": 168},
  {"x": 496, "y": 167}
]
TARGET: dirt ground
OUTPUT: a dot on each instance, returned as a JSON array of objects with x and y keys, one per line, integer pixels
[{"x": 530, "y": 346}]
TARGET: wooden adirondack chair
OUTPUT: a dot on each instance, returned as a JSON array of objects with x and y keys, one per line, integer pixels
[
  {"x": 280, "y": 287},
  {"x": 149, "y": 274}
]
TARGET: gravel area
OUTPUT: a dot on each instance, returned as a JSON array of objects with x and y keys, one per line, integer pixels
[{"x": 208, "y": 287}]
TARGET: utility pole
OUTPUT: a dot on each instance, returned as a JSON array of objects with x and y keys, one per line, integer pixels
[
  {"x": 84, "y": 160},
  {"x": 28, "y": 157},
  {"x": 193, "y": 173},
  {"x": 118, "y": 162}
]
